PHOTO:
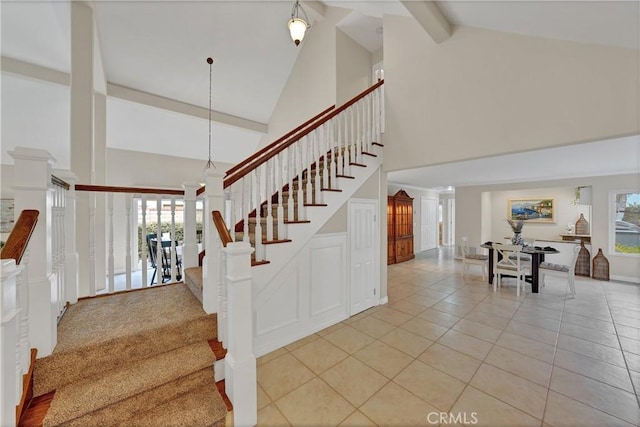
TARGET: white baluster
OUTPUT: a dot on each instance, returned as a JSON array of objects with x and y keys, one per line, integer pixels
[
  {"x": 92, "y": 244},
  {"x": 22, "y": 297},
  {"x": 258, "y": 228},
  {"x": 222, "y": 295},
  {"x": 246, "y": 197},
  {"x": 334, "y": 157},
  {"x": 143, "y": 243},
  {"x": 10, "y": 367},
  {"x": 363, "y": 125},
  {"x": 270, "y": 172},
  {"x": 282, "y": 232},
  {"x": 324, "y": 146},
  {"x": 159, "y": 263},
  {"x": 290, "y": 173},
  {"x": 352, "y": 140},
  {"x": 172, "y": 234},
  {"x": 127, "y": 249},
  {"x": 299, "y": 167},
  {"x": 317, "y": 180},
  {"x": 110, "y": 263},
  {"x": 309, "y": 161}
]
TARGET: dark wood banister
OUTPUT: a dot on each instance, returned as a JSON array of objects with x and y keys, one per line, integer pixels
[
  {"x": 141, "y": 190},
  {"x": 229, "y": 180},
  {"x": 225, "y": 237},
  {"x": 277, "y": 141},
  {"x": 60, "y": 182},
  {"x": 20, "y": 234}
]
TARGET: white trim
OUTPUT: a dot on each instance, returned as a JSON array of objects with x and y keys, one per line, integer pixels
[
  {"x": 627, "y": 279},
  {"x": 611, "y": 228}
]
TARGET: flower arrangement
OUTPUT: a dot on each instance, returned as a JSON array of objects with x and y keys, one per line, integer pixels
[{"x": 516, "y": 226}]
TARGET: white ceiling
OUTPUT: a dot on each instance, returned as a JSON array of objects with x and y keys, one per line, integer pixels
[{"x": 160, "y": 47}]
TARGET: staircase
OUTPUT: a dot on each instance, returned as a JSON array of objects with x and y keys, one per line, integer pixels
[{"x": 137, "y": 358}]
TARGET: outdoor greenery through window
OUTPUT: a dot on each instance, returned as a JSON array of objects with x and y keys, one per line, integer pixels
[{"x": 627, "y": 222}]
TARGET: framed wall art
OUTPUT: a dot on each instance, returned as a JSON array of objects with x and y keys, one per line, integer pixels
[{"x": 532, "y": 210}]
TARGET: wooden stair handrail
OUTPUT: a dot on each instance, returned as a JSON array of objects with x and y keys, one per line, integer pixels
[
  {"x": 229, "y": 180},
  {"x": 277, "y": 141},
  {"x": 16, "y": 244},
  {"x": 141, "y": 190},
  {"x": 59, "y": 182},
  {"x": 218, "y": 220}
]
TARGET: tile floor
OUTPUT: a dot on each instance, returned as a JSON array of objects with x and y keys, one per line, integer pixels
[{"x": 448, "y": 344}]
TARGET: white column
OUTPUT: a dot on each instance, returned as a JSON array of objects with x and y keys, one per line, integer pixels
[
  {"x": 214, "y": 201},
  {"x": 11, "y": 384},
  {"x": 240, "y": 368},
  {"x": 71, "y": 255},
  {"x": 190, "y": 244},
  {"x": 32, "y": 180}
]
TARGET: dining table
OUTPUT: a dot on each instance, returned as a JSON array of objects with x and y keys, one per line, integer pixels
[{"x": 537, "y": 256}]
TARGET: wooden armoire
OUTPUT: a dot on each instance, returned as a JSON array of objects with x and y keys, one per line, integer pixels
[{"x": 399, "y": 228}]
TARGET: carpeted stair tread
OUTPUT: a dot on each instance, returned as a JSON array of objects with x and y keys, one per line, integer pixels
[
  {"x": 119, "y": 412},
  {"x": 201, "y": 407},
  {"x": 193, "y": 280},
  {"x": 175, "y": 330},
  {"x": 93, "y": 393}
]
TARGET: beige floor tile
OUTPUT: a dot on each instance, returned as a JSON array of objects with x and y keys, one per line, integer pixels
[
  {"x": 354, "y": 380},
  {"x": 383, "y": 358},
  {"x": 406, "y": 306},
  {"x": 349, "y": 339},
  {"x": 633, "y": 361},
  {"x": 373, "y": 326},
  {"x": 496, "y": 310},
  {"x": 302, "y": 342},
  {"x": 509, "y": 388},
  {"x": 555, "y": 314},
  {"x": 452, "y": 362},
  {"x": 532, "y": 332},
  {"x": 627, "y": 321},
  {"x": 399, "y": 292},
  {"x": 439, "y": 317},
  {"x": 455, "y": 309},
  {"x": 391, "y": 316},
  {"x": 319, "y": 355},
  {"x": 478, "y": 330},
  {"x": 518, "y": 364},
  {"x": 603, "y": 397},
  {"x": 279, "y": 376},
  {"x": 432, "y": 293},
  {"x": 270, "y": 416},
  {"x": 526, "y": 346},
  {"x": 534, "y": 319},
  {"x": 424, "y": 328},
  {"x": 630, "y": 345},
  {"x": 564, "y": 412},
  {"x": 635, "y": 379},
  {"x": 604, "y": 338},
  {"x": 628, "y": 331},
  {"x": 357, "y": 419},
  {"x": 263, "y": 399},
  {"x": 588, "y": 322},
  {"x": 406, "y": 342},
  {"x": 592, "y": 368},
  {"x": 422, "y": 300},
  {"x": 591, "y": 349},
  {"x": 315, "y": 403},
  {"x": 270, "y": 356},
  {"x": 357, "y": 317},
  {"x": 465, "y": 344},
  {"x": 330, "y": 329},
  {"x": 395, "y": 406},
  {"x": 488, "y": 319},
  {"x": 489, "y": 411},
  {"x": 434, "y": 386}
]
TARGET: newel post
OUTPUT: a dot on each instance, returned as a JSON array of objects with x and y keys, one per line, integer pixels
[
  {"x": 33, "y": 190},
  {"x": 10, "y": 370},
  {"x": 71, "y": 274},
  {"x": 240, "y": 368},
  {"x": 214, "y": 201},
  {"x": 190, "y": 244}
]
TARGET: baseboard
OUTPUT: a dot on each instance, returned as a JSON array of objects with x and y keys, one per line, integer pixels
[
  {"x": 630, "y": 280},
  {"x": 384, "y": 300}
]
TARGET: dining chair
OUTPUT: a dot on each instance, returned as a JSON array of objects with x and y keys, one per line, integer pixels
[
  {"x": 562, "y": 271},
  {"x": 507, "y": 261},
  {"x": 469, "y": 258}
]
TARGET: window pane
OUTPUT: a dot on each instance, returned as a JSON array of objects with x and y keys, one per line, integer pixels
[{"x": 627, "y": 223}]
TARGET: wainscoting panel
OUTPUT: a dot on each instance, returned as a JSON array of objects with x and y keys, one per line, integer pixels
[{"x": 308, "y": 295}]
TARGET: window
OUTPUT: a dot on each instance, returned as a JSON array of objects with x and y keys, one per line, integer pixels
[{"x": 626, "y": 222}]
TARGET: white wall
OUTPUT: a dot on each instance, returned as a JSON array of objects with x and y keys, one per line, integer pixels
[
  {"x": 417, "y": 207},
  {"x": 482, "y": 93},
  {"x": 481, "y": 214},
  {"x": 353, "y": 68}
]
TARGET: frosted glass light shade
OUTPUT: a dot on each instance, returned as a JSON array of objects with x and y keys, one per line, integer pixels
[{"x": 297, "y": 28}]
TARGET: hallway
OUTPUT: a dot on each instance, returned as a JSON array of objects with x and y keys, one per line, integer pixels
[{"x": 447, "y": 346}]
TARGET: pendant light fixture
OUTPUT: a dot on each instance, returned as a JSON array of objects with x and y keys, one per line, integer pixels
[
  {"x": 298, "y": 26},
  {"x": 210, "y": 163}
]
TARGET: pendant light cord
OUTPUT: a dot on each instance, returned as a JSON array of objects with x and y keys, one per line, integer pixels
[{"x": 209, "y": 162}]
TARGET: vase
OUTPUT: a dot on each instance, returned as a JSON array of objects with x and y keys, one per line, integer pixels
[
  {"x": 517, "y": 239},
  {"x": 583, "y": 263},
  {"x": 582, "y": 226},
  {"x": 600, "y": 269}
]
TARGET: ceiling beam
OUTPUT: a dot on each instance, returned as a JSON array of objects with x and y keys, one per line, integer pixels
[
  {"x": 134, "y": 95},
  {"x": 431, "y": 18},
  {"x": 26, "y": 69}
]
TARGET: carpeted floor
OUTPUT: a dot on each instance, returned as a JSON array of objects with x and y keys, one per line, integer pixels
[{"x": 136, "y": 358}]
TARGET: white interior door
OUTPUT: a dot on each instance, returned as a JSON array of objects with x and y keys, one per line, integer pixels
[
  {"x": 363, "y": 255},
  {"x": 428, "y": 224}
]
